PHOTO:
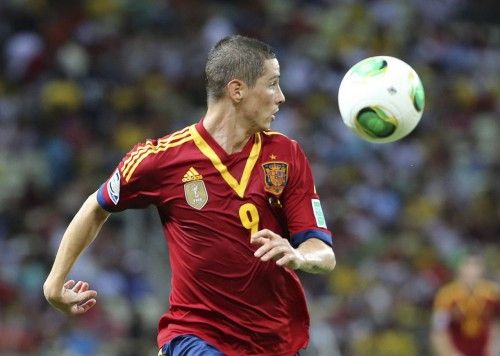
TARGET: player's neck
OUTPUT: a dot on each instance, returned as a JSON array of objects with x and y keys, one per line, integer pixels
[
  {"x": 222, "y": 123},
  {"x": 471, "y": 283}
]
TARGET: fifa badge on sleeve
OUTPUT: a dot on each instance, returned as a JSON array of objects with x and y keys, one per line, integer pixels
[{"x": 114, "y": 187}]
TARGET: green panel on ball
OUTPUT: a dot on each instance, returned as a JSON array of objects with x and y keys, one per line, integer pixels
[
  {"x": 375, "y": 122},
  {"x": 418, "y": 96},
  {"x": 370, "y": 67}
]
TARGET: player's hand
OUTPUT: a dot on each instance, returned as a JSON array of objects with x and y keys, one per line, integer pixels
[
  {"x": 275, "y": 247},
  {"x": 73, "y": 298}
]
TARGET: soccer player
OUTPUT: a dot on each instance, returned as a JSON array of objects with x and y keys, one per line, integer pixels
[
  {"x": 467, "y": 312},
  {"x": 239, "y": 211}
]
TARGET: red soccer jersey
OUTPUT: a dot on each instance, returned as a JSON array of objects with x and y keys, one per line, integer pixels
[
  {"x": 469, "y": 314},
  {"x": 210, "y": 203}
]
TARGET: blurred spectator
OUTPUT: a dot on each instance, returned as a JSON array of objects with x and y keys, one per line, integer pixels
[{"x": 466, "y": 318}]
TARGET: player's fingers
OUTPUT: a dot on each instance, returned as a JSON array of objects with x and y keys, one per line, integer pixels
[
  {"x": 266, "y": 233},
  {"x": 84, "y": 307},
  {"x": 262, "y": 249},
  {"x": 69, "y": 284},
  {"x": 283, "y": 261},
  {"x": 289, "y": 260},
  {"x": 259, "y": 240},
  {"x": 259, "y": 236},
  {"x": 88, "y": 304},
  {"x": 266, "y": 246},
  {"x": 84, "y": 287},
  {"x": 77, "y": 286},
  {"x": 81, "y": 287},
  {"x": 275, "y": 252},
  {"x": 85, "y": 296}
]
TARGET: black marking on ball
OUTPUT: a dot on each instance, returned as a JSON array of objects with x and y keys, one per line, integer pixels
[{"x": 391, "y": 90}]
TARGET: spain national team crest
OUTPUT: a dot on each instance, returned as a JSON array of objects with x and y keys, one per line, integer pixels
[{"x": 276, "y": 177}]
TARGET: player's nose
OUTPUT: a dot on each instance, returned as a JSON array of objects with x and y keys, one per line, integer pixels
[{"x": 281, "y": 97}]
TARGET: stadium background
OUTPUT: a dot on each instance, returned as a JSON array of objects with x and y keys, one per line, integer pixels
[{"x": 82, "y": 81}]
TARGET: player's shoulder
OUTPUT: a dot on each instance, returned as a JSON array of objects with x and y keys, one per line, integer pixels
[
  {"x": 278, "y": 138},
  {"x": 146, "y": 154},
  {"x": 450, "y": 290},
  {"x": 275, "y": 135},
  {"x": 489, "y": 289},
  {"x": 284, "y": 147},
  {"x": 175, "y": 138},
  {"x": 152, "y": 146}
]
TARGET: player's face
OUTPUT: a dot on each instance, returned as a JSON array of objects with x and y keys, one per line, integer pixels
[
  {"x": 264, "y": 98},
  {"x": 471, "y": 269}
]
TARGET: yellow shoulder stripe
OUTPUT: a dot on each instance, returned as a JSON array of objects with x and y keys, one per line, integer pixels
[
  {"x": 148, "y": 143},
  {"x": 149, "y": 148},
  {"x": 270, "y": 133}
]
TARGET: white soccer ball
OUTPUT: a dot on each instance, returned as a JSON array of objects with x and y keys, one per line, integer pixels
[{"x": 381, "y": 99}]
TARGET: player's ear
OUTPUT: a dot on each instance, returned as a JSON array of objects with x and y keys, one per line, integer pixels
[{"x": 236, "y": 90}]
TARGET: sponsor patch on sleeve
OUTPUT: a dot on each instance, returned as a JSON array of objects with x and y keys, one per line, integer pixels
[
  {"x": 114, "y": 187},
  {"x": 318, "y": 213}
]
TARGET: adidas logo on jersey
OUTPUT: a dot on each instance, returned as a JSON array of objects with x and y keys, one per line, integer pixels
[{"x": 191, "y": 174}]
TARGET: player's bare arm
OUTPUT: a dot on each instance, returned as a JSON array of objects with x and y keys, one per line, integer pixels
[
  {"x": 313, "y": 255},
  {"x": 440, "y": 338},
  {"x": 72, "y": 297},
  {"x": 443, "y": 345},
  {"x": 493, "y": 344}
]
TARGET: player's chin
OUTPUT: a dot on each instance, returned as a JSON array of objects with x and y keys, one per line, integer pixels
[
  {"x": 264, "y": 124},
  {"x": 267, "y": 124}
]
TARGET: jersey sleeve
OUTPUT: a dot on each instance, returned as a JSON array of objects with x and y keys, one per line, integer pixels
[
  {"x": 301, "y": 204},
  {"x": 133, "y": 184}
]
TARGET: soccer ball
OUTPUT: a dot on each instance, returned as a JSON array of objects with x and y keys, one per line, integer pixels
[{"x": 381, "y": 99}]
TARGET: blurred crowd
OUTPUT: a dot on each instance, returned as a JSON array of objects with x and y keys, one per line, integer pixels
[{"x": 82, "y": 81}]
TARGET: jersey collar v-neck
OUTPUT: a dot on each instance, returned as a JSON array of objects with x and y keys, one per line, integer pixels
[{"x": 214, "y": 152}]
